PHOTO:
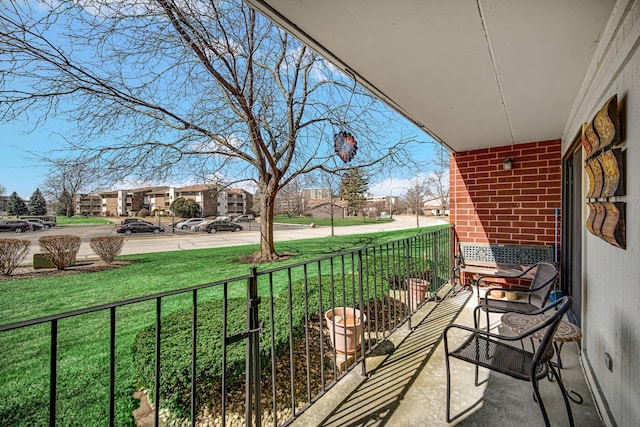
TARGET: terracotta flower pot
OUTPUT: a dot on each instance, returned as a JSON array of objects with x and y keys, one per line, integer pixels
[
  {"x": 418, "y": 289},
  {"x": 346, "y": 321}
]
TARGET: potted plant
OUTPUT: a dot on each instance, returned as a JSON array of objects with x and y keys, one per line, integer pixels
[
  {"x": 418, "y": 289},
  {"x": 344, "y": 329}
]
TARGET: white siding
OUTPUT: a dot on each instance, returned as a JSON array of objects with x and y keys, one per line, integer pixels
[{"x": 611, "y": 276}]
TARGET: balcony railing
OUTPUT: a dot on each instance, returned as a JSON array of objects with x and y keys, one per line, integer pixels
[{"x": 263, "y": 336}]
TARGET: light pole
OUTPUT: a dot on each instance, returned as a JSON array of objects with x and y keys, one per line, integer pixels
[{"x": 391, "y": 201}]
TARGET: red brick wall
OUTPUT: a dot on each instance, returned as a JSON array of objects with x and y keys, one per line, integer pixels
[{"x": 491, "y": 205}]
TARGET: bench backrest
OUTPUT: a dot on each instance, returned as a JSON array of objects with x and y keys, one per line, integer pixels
[{"x": 504, "y": 254}]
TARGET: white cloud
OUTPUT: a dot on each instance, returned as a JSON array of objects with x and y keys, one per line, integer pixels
[{"x": 390, "y": 187}]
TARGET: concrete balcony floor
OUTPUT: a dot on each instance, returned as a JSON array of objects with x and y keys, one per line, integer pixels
[{"x": 406, "y": 385}]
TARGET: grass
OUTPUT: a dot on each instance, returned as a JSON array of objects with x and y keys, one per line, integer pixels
[
  {"x": 83, "y": 357},
  {"x": 337, "y": 222},
  {"x": 80, "y": 220}
]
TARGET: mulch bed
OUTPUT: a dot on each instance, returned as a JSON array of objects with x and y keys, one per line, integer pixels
[{"x": 91, "y": 266}]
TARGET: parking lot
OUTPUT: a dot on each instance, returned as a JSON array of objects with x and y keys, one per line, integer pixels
[{"x": 175, "y": 240}]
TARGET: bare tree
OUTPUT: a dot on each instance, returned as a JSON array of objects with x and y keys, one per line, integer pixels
[
  {"x": 330, "y": 181},
  {"x": 438, "y": 181},
  {"x": 163, "y": 89},
  {"x": 289, "y": 198},
  {"x": 67, "y": 178},
  {"x": 415, "y": 196},
  {"x": 3, "y": 189}
]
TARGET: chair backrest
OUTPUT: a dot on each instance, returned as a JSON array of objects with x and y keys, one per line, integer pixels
[
  {"x": 543, "y": 280},
  {"x": 557, "y": 309}
]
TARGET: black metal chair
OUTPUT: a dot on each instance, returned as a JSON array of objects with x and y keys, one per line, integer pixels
[
  {"x": 496, "y": 352},
  {"x": 537, "y": 294}
]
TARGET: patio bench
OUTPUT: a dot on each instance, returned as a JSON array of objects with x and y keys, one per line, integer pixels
[{"x": 499, "y": 259}]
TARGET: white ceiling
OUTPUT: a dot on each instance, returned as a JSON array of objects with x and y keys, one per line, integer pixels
[{"x": 472, "y": 73}]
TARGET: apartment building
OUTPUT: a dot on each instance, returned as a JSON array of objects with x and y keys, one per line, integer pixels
[
  {"x": 238, "y": 202},
  {"x": 88, "y": 205},
  {"x": 315, "y": 196},
  {"x": 213, "y": 201},
  {"x": 121, "y": 202}
]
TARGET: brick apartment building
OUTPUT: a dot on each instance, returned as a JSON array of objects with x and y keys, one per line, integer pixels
[{"x": 213, "y": 201}]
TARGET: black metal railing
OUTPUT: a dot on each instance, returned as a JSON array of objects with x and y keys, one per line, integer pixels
[{"x": 257, "y": 348}]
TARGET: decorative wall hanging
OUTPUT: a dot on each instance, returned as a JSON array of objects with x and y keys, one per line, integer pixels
[
  {"x": 611, "y": 162},
  {"x": 607, "y": 124},
  {"x": 585, "y": 141},
  {"x": 600, "y": 216},
  {"x": 345, "y": 145},
  {"x": 592, "y": 138},
  {"x": 605, "y": 170},
  {"x": 591, "y": 218},
  {"x": 596, "y": 178},
  {"x": 613, "y": 228}
]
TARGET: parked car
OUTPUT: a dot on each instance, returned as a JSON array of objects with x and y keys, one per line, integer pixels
[
  {"x": 201, "y": 226},
  {"x": 35, "y": 226},
  {"x": 15, "y": 225},
  {"x": 130, "y": 220},
  {"x": 40, "y": 223},
  {"x": 222, "y": 226},
  {"x": 139, "y": 227},
  {"x": 187, "y": 223},
  {"x": 244, "y": 218}
]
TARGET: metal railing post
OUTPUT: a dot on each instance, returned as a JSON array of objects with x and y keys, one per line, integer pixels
[
  {"x": 361, "y": 302},
  {"x": 252, "y": 383}
]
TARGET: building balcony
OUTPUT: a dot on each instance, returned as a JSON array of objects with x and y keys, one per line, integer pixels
[{"x": 406, "y": 383}]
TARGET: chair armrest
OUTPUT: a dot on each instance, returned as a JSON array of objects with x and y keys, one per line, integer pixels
[
  {"x": 485, "y": 333},
  {"x": 497, "y": 309}
]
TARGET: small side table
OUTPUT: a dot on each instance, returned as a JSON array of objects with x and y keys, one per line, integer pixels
[{"x": 567, "y": 332}]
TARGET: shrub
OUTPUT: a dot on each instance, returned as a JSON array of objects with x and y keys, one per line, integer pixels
[
  {"x": 176, "y": 342},
  {"x": 107, "y": 247},
  {"x": 12, "y": 252},
  {"x": 143, "y": 213},
  {"x": 61, "y": 250}
]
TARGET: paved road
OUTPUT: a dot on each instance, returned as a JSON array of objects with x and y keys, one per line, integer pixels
[{"x": 184, "y": 240}]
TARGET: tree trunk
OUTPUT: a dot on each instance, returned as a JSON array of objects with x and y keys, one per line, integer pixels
[{"x": 267, "y": 248}]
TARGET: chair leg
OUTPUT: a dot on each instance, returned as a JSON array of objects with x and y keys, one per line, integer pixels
[
  {"x": 488, "y": 324},
  {"x": 448, "y": 389},
  {"x": 565, "y": 395},
  {"x": 538, "y": 398}
]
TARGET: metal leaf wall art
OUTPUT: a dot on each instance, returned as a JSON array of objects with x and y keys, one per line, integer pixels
[{"x": 604, "y": 168}]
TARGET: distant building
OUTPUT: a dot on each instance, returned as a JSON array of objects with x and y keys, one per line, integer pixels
[
  {"x": 239, "y": 202},
  {"x": 205, "y": 195},
  {"x": 312, "y": 197},
  {"x": 438, "y": 206},
  {"x": 88, "y": 205},
  {"x": 213, "y": 201},
  {"x": 326, "y": 209}
]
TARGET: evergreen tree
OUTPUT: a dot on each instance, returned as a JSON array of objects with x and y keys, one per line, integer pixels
[
  {"x": 16, "y": 205},
  {"x": 37, "y": 203},
  {"x": 354, "y": 187}
]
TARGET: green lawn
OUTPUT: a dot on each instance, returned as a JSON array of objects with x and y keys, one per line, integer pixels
[
  {"x": 83, "y": 341},
  {"x": 76, "y": 220},
  {"x": 337, "y": 222}
]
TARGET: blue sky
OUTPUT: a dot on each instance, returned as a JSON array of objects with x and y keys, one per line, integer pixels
[{"x": 21, "y": 172}]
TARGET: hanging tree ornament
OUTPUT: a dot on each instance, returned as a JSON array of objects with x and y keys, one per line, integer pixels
[{"x": 345, "y": 145}]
